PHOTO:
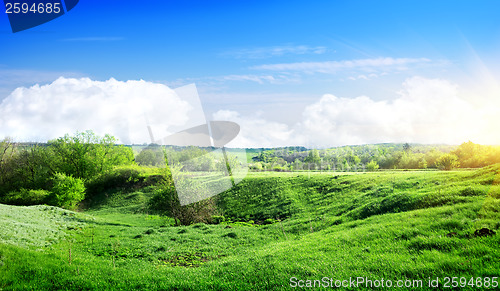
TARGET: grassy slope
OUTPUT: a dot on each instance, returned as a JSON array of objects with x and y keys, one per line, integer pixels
[
  {"x": 38, "y": 226},
  {"x": 375, "y": 225}
]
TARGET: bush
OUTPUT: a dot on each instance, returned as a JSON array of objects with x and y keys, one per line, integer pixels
[
  {"x": 447, "y": 162},
  {"x": 218, "y": 219},
  {"x": 67, "y": 191},
  {"x": 26, "y": 197},
  {"x": 372, "y": 166},
  {"x": 119, "y": 177},
  {"x": 125, "y": 177},
  {"x": 166, "y": 202}
]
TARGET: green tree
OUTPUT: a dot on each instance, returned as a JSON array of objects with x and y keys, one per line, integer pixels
[
  {"x": 313, "y": 157},
  {"x": 85, "y": 155},
  {"x": 372, "y": 166},
  {"x": 67, "y": 191},
  {"x": 33, "y": 167},
  {"x": 406, "y": 147},
  {"x": 471, "y": 155},
  {"x": 431, "y": 157},
  {"x": 7, "y": 165},
  {"x": 447, "y": 162},
  {"x": 151, "y": 156}
]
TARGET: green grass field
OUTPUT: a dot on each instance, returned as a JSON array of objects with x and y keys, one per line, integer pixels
[{"x": 406, "y": 225}]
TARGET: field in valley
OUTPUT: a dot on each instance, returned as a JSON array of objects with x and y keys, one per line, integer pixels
[{"x": 391, "y": 225}]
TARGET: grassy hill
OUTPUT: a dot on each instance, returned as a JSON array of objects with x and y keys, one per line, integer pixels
[
  {"x": 406, "y": 225},
  {"x": 38, "y": 226}
]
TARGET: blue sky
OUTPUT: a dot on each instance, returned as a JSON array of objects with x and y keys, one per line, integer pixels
[{"x": 267, "y": 62}]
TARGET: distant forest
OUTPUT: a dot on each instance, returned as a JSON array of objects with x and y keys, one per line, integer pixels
[{"x": 377, "y": 156}]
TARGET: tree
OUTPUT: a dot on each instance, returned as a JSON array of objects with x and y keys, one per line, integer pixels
[
  {"x": 6, "y": 164},
  {"x": 447, "y": 162},
  {"x": 406, "y": 147},
  {"x": 470, "y": 155},
  {"x": 33, "y": 167},
  {"x": 153, "y": 155},
  {"x": 313, "y": 157},
  {"x": 85, "y": 155},
  {"x": 431, "y": 157},
  {"x": 6, "y": 147},
  {"x": 372, "y": 165}
]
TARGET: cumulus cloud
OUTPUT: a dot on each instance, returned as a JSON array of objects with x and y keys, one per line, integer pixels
[
  {"x": 122, "y": 109},
  {"x": 426, "y": 111},
  {"x": 256, "y": 131}
]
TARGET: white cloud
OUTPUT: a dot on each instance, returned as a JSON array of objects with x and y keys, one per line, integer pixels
[
  {"x": 367, "y": 65},
  {"x": 426, "y": 111},
  {"x": 256, "y": 131},
  {"x": 275, "y": 51},
  {"x": 67, "y": 105}
]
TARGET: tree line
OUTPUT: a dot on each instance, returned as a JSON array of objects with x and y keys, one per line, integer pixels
[
  {"x": 380, "y": 156},
  {"x": 56, "y": 172}
]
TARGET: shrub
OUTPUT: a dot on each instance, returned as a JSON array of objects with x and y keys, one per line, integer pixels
[
  {"x": 166, "y": 202},
  {"x": 372, "y": 166},
  {"x": 218, "y": 219},
  {"x": 117, "y": 178},
  {"x": 447, "y": 162},
  {"x": 67, "y": 191},
  {"x": 126, "y": 177}
]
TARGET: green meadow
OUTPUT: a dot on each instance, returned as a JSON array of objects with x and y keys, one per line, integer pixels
[{"x": 273, "y": 231}]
